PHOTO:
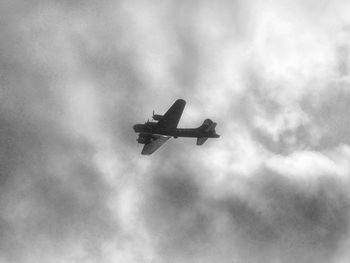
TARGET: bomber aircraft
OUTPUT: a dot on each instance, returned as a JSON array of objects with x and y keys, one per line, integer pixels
[{"x": 155, "y": 134}]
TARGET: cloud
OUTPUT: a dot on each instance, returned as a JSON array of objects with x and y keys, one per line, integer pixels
[
  {"x": 51, "y": 195},
  {"x": 76, "y": 76},
  {"x": 276, "y": 218}
]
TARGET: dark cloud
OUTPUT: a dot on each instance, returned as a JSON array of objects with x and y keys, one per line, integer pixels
[
  {"x": 52, "y": 194},
  {"x": 173, "y": 214},
  {"x": 50, "y": 191},
  {"x": 277, "y": 218}
]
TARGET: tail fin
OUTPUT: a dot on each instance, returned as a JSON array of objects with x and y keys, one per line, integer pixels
[
  {"x": 207, "y": 130},
  {"x": 201, "y": 140},
  {"x": 208, "y": 126}
]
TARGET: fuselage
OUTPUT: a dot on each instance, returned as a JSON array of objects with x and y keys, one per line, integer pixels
[{"x": 153, "y": 128}]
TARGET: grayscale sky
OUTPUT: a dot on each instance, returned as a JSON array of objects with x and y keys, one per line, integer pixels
[{"x": 76, "y": 75}]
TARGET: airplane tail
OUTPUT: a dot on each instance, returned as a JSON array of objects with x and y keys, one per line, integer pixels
[{"x": 208, "y": 127}]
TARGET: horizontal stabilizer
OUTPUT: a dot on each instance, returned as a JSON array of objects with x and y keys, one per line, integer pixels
[{"x": 201, "y": 140}]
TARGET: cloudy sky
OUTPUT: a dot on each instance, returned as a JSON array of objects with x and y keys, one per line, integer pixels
[{"x": 76, "y": 75}]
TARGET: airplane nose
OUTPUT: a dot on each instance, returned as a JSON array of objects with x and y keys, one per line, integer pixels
[{"x": 136, "y": 127}]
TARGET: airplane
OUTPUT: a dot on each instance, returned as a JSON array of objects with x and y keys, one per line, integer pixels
[{"x": 155, "y": 134}]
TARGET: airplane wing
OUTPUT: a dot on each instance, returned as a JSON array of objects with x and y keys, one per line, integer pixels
[
  {"x": 152, "y": 146},
  {"x": 172, "y": 117},
  {"x": 201, "y": 140}
]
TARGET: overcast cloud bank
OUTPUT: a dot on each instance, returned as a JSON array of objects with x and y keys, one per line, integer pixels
[{"x": 76, "y": 76}]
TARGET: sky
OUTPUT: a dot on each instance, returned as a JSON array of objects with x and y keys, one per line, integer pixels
[{"x": 75, "y": 76}]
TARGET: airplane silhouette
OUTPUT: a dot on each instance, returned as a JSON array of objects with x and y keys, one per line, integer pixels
[{"x": 155, "y": 134}]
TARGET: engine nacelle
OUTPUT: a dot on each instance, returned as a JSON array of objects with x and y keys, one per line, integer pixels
[
  {"x": 157, "y": 117},
  {"x": 143, "y": 139}
]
